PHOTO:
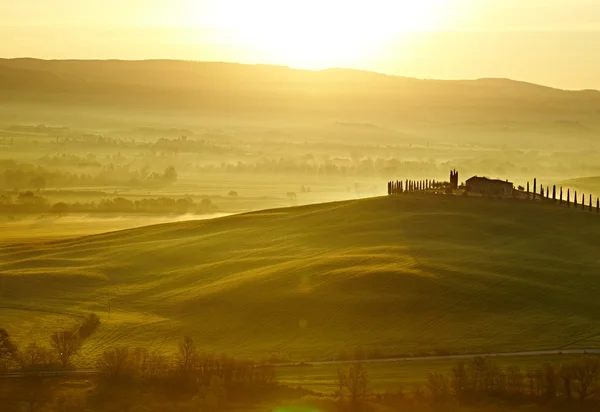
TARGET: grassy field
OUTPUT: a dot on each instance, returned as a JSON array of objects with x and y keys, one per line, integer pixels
[{"x": 401, "y": 275}]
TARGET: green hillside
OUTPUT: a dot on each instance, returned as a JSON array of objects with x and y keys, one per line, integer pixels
[{"x": 404, "y": 274}]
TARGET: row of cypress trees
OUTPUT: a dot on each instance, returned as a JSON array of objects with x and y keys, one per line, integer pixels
[
  {"x": 398, "y": 186},
  {"x": 558, "y": 197}
]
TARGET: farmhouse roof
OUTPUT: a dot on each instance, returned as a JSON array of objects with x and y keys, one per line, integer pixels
[{"x": 485, "y": 179}]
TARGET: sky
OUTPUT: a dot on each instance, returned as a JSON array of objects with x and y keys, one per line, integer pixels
[{"x": 550, "y": 42}]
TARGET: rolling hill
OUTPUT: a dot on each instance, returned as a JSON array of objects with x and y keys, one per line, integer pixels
[
  {"x": 203, "y": 91},
  {"x": 401, "y": 275},
  {"x": 584, "y": 184}
]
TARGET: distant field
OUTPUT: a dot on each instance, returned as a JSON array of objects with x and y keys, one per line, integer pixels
[
  {"x": 401, "y": 275},
  {"x": 585, "y": 185}
]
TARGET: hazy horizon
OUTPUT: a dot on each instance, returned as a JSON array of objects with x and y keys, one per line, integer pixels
[{"x": 542, "y": 42}]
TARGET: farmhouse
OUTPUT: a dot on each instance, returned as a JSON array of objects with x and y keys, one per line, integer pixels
[{"x": 489, "y": 187}]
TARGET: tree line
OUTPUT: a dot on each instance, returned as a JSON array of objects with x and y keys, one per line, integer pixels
[
  {"x": 476, "y": 384},
  {"x": 33, "y": 202},
  {"x": 127, "y": 377},
  {"x": 190, "y": 380},
  {"x": 27, "y": 176}
]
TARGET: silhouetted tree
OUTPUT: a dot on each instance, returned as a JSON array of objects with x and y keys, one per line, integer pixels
[
  {"x": 89, "y": 325},
  {"x": 8, "y": 349},
  {"x": 534, "y": 188},
  {"x": 460, "y": 379},
  {"x": 565, "y": 377},
  {"x": 170, "y": 174},
  {"x": 554, "y": 193},
  {"x": 575, "y": 200},
  {"x": 476, "y": 368},
  {"x": 188, "y": 354},
  {"x": 590, "y": 202},
  {"x": 514, "y": 380},
  {"x": 586, "y": 372},
  {"x": 35, "y": 356},
  {"x": 353, "y": 380},
  {"x": 115, "y": 364},
  {"x": 561, "y": 195},
  {"x": 569, "y": 197},
  {"x": 66, "y": 344},
  {"x": 60, "y": 208}
]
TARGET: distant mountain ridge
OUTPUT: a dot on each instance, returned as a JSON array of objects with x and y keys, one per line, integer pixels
[{"x": 268, "y": 91}]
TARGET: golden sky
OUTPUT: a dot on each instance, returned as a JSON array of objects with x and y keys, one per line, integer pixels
[{"x": 552, "y": 42}]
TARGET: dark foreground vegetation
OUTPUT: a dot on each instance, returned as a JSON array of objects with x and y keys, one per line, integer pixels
[{"x": 42, "y": 378}]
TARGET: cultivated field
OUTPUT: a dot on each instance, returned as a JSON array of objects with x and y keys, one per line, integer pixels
[{"x": 392, "y": 275}]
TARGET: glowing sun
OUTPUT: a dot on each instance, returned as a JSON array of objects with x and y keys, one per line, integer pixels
[{"x": 319, "y": 34}]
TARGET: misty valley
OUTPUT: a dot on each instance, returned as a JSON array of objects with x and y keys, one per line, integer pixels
[{"x": 188, "y": 236}]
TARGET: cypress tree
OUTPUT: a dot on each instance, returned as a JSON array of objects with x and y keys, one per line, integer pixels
[
  {"x": 554, "y": 193},
  {"x": 569, "y": 197},
  {"x": 590, "y": 203},
  {"x": 541, "y": 191},
  {"x": 583, "y": 201},
  {"x": 534, "y": 187},
  {"x": 598, "y": 205},
  {"x": 561, "y": 198},
  {"x": 389, "y": 189},
  {"x": 575, "y": 199},
  {"x": 547, "y": 192},
  {"x": 528, "y": 190}
]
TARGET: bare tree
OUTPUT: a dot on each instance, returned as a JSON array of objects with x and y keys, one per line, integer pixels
[
  {"x": 66, "y": 344},
  {"x": 514, "y": 379},
  {"x": 188, "y": 354},
  {"x": 354, "y": 380},
  {"x": 565, "y": 374},
  {"x": 477, "y": 369},
  {"x": 114, "y": 364},
  {"x": 8, "y": 349},
  {"x": 35, "y": 356},
  {"x": 460, "y": 379},
  {"x": 586, "y": 372}
]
